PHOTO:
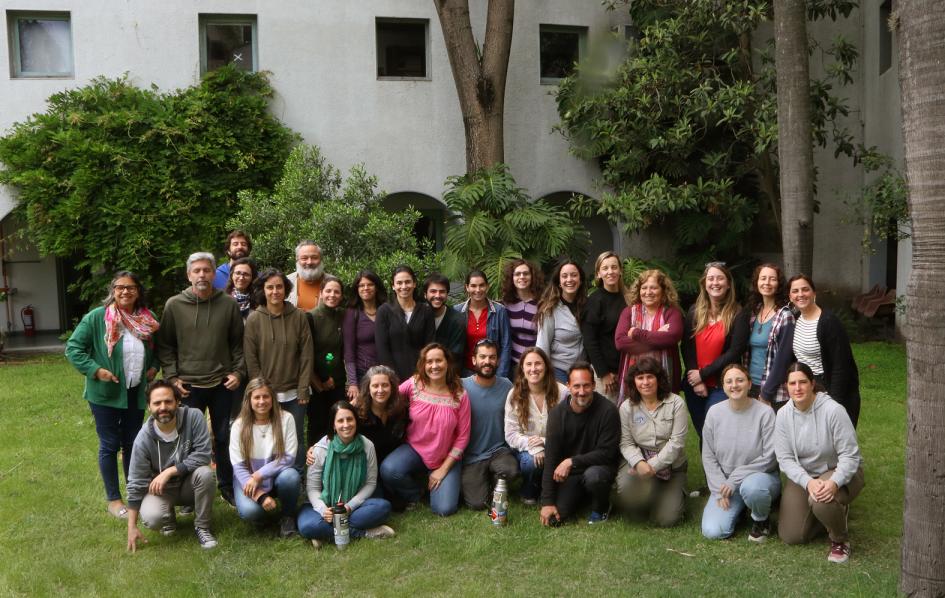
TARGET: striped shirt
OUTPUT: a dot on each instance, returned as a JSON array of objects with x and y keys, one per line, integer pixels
[
  {"x": 523, "y": 329},
  {"x": 806, "y": 348}
]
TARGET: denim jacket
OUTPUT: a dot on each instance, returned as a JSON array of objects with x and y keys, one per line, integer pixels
[{"x": 499, "y": 331}]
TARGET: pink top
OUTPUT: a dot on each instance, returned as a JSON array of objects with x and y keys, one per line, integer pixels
[{"x": 439, "y": 427}]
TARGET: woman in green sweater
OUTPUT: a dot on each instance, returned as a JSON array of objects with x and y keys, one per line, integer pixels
[
  {"x": 113, "y": 348},
  {"x": 328, "y": 375}
]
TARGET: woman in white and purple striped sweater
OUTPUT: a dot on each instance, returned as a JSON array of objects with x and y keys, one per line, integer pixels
[
  {"x": 522, "y": 284},
  {"x": 262, "y": 449}
]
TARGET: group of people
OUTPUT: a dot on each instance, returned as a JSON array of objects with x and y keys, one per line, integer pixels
[{"x": 576, "y": 393}]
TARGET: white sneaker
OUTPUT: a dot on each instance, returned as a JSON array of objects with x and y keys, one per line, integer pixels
[{"x": 379, "y": 532}]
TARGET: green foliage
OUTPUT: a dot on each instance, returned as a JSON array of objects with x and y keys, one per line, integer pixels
[
  {"x": 343, "y": 215},
  {"x": 494, "y": 221},
  {"x": 881, "y": 207},
  {"x": 685, "y": 127},
  {"x": 119, "y": 177}
]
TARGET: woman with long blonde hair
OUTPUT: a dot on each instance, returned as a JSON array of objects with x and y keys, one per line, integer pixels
[
  {"x": 715, "y": 335},
  {"x": 263, "y": 445}
]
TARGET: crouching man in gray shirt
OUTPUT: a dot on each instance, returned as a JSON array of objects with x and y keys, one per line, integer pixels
[{"x": 170, "y": 465}]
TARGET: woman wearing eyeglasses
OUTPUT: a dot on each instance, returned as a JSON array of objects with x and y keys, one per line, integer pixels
[
  {"x": 113, "y": 347},
  {"x": 242, "y": 274},
  {"x": 522, "y": 283}
]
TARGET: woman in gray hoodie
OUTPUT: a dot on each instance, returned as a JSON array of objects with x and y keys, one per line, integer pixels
[{"x": 818, "y": 452}]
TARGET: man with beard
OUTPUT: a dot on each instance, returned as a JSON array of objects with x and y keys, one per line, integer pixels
[
  {"x": 238, "y": 245},
  {"x": 487, "y": 457},
  {"x": 450, "y": 324},
  {"x": 170, "y": 465},
  {"x": 200, "y": 348},
  {"x": 307, "y": 278},
  {"x": 581, "y": 449}
]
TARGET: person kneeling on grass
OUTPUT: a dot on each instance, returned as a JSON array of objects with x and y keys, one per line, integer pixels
[
  {"x": 653, "y": 426},
  {"x": 344, "y": 472},
  {"x": 738, "y": 457},
  {"x": 170, "y": 465},
  {"x": 818, "y": 452},
  {"x": 581, "y": 448},
  {"x": 262, "y": 450}
]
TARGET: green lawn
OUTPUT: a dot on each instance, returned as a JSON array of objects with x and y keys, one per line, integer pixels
[{"x": 55, "y": 536}]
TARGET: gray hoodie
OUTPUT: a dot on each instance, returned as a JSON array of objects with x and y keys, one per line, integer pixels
[
  {"x": 150, "y": 455},
  {"x": 809, "y": 443}
]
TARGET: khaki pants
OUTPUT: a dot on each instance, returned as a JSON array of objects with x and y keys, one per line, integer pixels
[
  {"x": 801, "y": 518},
  {"x": 664, "y": 501},
  {"x": 197, "y": 489}
]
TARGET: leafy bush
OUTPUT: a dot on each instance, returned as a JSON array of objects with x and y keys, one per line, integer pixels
[
  {"x": 493, "y": 221},
  {"x": 684, "y": 128},
  {"x": 118, "y": 177},
  {"x": 344, "y": 216}
]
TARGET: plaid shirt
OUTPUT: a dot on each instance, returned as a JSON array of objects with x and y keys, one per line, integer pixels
[{"x": 782, "y": 318}]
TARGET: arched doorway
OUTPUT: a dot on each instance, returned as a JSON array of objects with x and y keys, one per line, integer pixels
[{"x": 432, "y": 214}]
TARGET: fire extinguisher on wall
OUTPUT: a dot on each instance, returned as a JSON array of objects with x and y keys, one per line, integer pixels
[{"x": 27, "y": 314}]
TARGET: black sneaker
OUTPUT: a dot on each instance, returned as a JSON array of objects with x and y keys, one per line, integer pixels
[
  {"x": 205, "y": 538},
  {"x": 186, "y": 510},
  {"x": 760, "y": 530},
  {"x": 227, "y": 495},
  {"x": 287, "y": 527}
]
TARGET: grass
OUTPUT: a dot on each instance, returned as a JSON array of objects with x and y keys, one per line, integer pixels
[{"x": 55, "y": 537}]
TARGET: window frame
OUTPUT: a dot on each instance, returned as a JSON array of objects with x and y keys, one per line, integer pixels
[
  {"x": 205, "y": 19},
  {"x": 13, "y": 35},
  {"x": 427, "y": 57},
  {"x": 582, "y": 32}
]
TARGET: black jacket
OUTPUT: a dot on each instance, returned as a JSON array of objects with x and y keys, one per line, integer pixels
[
  {"x": 841, "y": 376},
  {"x": 598, "y": 324},
  {"x": 399, "y": 342},
  {"x": 452, "y": 334}
]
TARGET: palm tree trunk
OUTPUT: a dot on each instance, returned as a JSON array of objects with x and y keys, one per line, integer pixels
[
  {"x": 922, "y": 80},
  {"x": 795, "y": 152}
]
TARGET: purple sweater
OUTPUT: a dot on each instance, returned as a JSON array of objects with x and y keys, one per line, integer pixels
[
  {"x": 522, "y": 326},
  {"x": 360, "y": 352}
]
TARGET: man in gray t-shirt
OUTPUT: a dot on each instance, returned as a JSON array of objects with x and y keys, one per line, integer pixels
[{"x": 487, "y": 457}]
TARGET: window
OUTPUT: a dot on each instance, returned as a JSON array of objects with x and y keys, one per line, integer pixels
[
  {"x": 885, "y": 37},
  {"x": 560, "y": 48},
  {"x": 227, "y": 39},
  {"x": 402, "y": 48},
  {"x": 40, "y": 44}
]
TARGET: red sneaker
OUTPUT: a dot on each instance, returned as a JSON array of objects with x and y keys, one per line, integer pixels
[{"x": 839, "y": 552}]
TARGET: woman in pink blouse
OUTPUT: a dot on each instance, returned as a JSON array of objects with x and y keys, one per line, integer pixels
[{"x": 437, "y": 434}]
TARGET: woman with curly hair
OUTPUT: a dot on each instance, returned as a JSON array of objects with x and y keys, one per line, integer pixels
[
  {"x": 357, "y": 329},
  {"x": 522, "y": 284},
  {"x": 651, "y": 326}
]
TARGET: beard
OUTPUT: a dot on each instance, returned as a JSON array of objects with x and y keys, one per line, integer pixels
[
  {"x": 486, "y": 371},
  {"x": 312, "y": 274},
  {"x": 237, "y": 254}
]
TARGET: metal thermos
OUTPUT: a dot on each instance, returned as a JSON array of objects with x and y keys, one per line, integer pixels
[
  {"x": 500, "y": 504},
  {"x": 339, "y": 523}
]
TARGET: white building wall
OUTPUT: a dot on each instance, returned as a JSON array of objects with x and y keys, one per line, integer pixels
[{"x": 323, "y": 61}]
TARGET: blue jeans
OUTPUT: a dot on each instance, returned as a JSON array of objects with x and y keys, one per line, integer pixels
[
  {"x": 372, "y": 513},
  {"x": 756, "y": 492},
  {"x": 218, "y": 400},
  {"x": 397, "y": 473},
  {"x": 116, "y": 429},
  {"x": 698, "y": 406},
  {"x": 531, "y": 475},
  {"x": 285, "y": 488}
]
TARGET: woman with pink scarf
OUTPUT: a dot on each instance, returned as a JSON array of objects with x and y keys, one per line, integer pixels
[
  {"x": 651, "y": 326},
  {"x": 113, "y": 348}
]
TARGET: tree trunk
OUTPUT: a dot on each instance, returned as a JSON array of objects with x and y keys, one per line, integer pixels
[
  {"x": 795, "y": 151},
  {"x": 922, "y": 81},
  {"x": 479, "y": 78}
]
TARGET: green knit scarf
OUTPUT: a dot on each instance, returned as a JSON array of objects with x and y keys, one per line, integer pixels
[{"x": 345, "y": 470}]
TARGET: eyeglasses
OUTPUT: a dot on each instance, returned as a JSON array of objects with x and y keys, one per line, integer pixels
[
  {"x": 485, "y": 341},
  {"x": 126, "y": 287},
  {"x": 714, "y": 265},
  {"x": 243, "y": 274},
  {"x": 521, "y": 274}
]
